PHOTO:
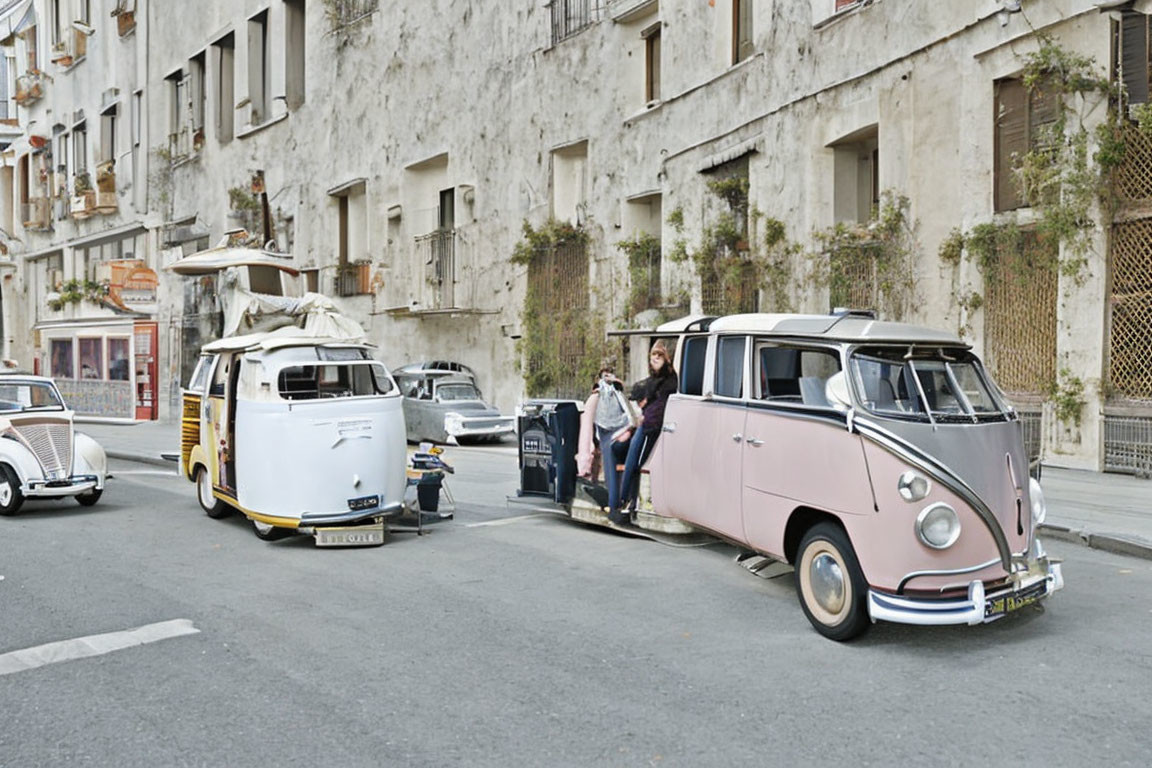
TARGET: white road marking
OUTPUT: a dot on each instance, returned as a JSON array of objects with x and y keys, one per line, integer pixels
[
  {"x": 92, "y": 645},
  {"x": 508, "y": 520},
  {"x": 164, "y": 472}
]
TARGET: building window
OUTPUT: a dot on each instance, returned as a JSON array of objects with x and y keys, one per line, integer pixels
[
  {"x": 118, "y": 359},
  {"x": 352, "y": 268},
  {"x": 224, "y": 56},
  {"x": 742, "y": 46},
  {"x": 294, "y": 47},
  {"x": 1024, "y": 120},
  {"x": 197, "y": 94},
  {"x": 570, "y": 17},
  {"x": 80, "y": 149},
  {"x": 85, "y": 11},
  {"x": 108, "y": 134},
  {"x": 1130, "y": 55},
  {"x": 856, "y": 182},
  {"x": 570, "y": 183},
  {"x": 651, "y": 37},
  {"x": 177, "y": 86},
  {"x": 91, "y": 358},
  {"x": 59, "y": 23},
  {"x": 30, "y": 48},
  {"x": 258, "y": 68}
]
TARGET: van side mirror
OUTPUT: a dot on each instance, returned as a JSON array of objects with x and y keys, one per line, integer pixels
[{"x": 836, "y": 390}]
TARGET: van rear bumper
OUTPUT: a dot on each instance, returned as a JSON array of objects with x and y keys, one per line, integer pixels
[{"x": 1042, "y": 577}]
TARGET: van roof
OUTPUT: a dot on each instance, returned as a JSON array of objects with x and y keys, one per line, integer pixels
[
  {"x": 838, "y": 327},
  {"x": 276, "y": 340}
]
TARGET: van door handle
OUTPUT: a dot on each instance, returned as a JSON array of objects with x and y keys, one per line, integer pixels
[
  {"x": 754, "y": 442},
  {"x": 668, "y": 427},
  {"x": 737, "y": 437}
]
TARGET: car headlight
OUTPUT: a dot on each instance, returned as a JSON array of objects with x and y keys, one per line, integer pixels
[
  {"x": 938, "y": 526},
  {"x": 1036, "y": 496},
  {"x": 913, "y": 486}
]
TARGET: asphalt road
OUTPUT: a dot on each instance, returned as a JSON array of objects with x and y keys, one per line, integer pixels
[{"x": 535, "y": 641}]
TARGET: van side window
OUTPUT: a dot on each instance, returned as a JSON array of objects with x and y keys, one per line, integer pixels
[
  {"x": 200, "y": 375},
  {"x": 730, "y": 366},
  {"x": 220, "y": 377},
  {"x": 795, "y": 375},
  {"x": 692, "y": 365}
]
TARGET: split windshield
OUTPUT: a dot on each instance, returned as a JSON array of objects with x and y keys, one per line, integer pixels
[
  {"x": 312, "y": 382},
  {"x": 923, "y": 385},
  {"x": 28, "y": 396}
]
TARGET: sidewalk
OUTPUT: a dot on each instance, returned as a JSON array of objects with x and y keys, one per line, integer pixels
[{"x": 1105, "y": 511}]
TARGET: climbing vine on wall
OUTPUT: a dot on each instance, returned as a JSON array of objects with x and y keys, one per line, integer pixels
[
  {"x": 870, "y": 264},
  {"x": 562, "y": 338}
]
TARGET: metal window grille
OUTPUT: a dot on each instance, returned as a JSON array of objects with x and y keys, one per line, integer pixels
[
  {"x": 1128, "y": 445},
  {"x": 644, "y": 267},
  {"x": 729, "y": 291},
  {"x": 1031, "y": 424},
  {"x": 853, "y": 278},
  {"x": 1020, "y": 317},
  {"x": 558, "y": 279},
  {"x": 571, "y": 16},
  {"x": 344, "y": 12},
  {"x": 1130, "y": 364}
]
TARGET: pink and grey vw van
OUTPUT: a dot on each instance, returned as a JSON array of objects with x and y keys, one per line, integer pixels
[{"x": 878, "y": 458}]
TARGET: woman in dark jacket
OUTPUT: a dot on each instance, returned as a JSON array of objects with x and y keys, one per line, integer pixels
[{"x": 662, "y": 382}]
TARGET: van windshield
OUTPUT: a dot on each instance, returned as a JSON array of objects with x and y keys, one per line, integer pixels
[
  {"x": 946, "y": 386},
  {"x": 311, "y": 382}
]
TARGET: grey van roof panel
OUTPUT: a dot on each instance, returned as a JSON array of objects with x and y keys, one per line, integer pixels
[{"x": 853, "y": 328}]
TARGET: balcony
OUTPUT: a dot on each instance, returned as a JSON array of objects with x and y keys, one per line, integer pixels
[
  {"x": 354, "y": 279},
  {"x": 36, "y": 214},
  {"x": 184, "y": 143},
  {"x": 436, "y": 254},
  {"x": 83, "y": 204},
  {"x": 29, "y": 88},
  {"x": 125, "y": 13},
  {"x": 106, "y": 187}
]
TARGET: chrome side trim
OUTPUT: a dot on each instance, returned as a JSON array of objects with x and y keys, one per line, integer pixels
[
  {"x": 946, "y": 477},
  {"x": 949, "y": 572}
]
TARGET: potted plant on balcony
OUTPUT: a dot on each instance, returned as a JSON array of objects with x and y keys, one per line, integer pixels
[
  {"x": 61, "y": 55},
  {"x": 84, "y": 198}
]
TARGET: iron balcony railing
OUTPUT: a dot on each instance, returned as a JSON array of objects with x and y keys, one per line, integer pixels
[
  {"x": 1128, "y": 444},
  {"x": 436, "y": 252}
]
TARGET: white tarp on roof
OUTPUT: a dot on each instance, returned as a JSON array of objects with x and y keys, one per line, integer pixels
[{"x": 310, "y": 315}]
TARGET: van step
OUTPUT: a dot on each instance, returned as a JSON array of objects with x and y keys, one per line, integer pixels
[{"x": 762, "y": 566}]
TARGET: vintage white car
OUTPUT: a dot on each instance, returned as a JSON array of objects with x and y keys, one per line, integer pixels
[
  {"x": 443, "y": 402},
  {"x": 41, "y": 456}
]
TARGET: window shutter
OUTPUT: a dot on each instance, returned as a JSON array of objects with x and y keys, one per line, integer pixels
[
  {"x": 1134, "y": 56},
  {"x": 1011, "y": 140},
  {"x": 1044, "y": 104}
]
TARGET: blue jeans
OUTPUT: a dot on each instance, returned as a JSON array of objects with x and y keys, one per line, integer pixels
[
  {"x": 610, "y": 455},
  {"x": 638, "y": 451}
]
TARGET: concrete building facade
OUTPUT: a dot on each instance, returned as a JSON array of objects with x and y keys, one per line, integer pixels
[{"x": 402, "y": 147}]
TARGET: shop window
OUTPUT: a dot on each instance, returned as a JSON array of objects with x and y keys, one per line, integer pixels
[
  {"x": 118, "y": 362},
  {"x": 91, "y": 358},
  {"x": 60, "y": 351}
]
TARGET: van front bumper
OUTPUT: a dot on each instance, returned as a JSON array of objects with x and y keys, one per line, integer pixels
[
  {"x": 1026, "y": 587},
  {"x": 70, "y": 486}
]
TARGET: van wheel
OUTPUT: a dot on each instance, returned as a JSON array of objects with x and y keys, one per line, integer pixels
[
  {"x": 11, "y": 497},
  {"x": 211, "y": 505},
  {"x": 829, "y": 583},
  {"x": 89, "y": 498},
  {"x": 270, "y": 532}
]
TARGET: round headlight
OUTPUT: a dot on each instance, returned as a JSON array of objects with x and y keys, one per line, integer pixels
[
  {"x": 913, "y": 486},
  {"x": 1036, "y": 496},
  {"x": 938, "y": 526}
]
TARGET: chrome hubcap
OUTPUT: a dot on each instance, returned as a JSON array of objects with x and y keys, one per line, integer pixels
[
  {"x": 827, "y": 581},
  {"x": 5, "y": 494}
]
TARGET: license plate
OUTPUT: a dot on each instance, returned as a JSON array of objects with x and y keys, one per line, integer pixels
[
  {"x": 364, "y": 502},
  {"x": 1014, "y": 601},
  {"x": 351, "y": 536}
]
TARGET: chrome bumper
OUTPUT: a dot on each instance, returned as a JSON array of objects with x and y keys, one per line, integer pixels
[
  {"x": 69, "y": 487},
  {"x": 463, "y": 429},
  {"x": 1041, "y": 579},
  {"x": 351, "y": 516}
]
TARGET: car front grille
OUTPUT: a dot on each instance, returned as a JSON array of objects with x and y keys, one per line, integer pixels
[
  {"x": 484, "y": 423},
  {"x": 52, "y": 444}
]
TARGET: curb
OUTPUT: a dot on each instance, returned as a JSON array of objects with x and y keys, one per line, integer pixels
[
  {"x": 141, "y": 458},
  {"x": 1114, "y": 543}
]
